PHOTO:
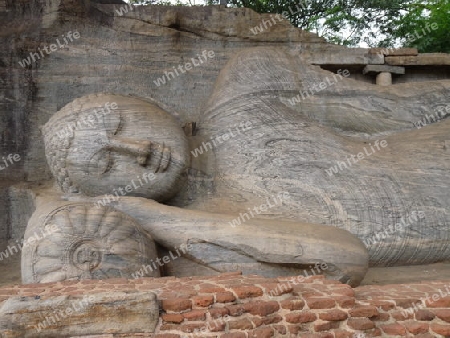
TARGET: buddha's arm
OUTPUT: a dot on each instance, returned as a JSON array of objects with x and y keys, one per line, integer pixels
[{"x": 268, "y": 241}]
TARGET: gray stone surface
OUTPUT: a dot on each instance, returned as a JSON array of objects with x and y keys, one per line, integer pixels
[
  {"x": 268, "y": 247},
  {"x": 22, "y": 206},
  {"x": 105, "y": 153},
  {"x": 429, "y": 59},
  {"x": 67, "y": 316},
  {"x": 4, "y": 219},
  {"x": 337, "y": 55},
  {"x": 287, "y": 149},
  {"x": 80, "y": 241},
  {"x": 394, "y": 51},
  {"x": 291, "y": 147},
  {"x": 115, "y": 145},
  {"x": 383, "y": 68}
]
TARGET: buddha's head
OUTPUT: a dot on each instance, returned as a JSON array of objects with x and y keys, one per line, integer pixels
[{"x": 112, "y": 144}]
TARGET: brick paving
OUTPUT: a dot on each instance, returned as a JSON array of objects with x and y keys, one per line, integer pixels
[{"x": 232, "y": 306}]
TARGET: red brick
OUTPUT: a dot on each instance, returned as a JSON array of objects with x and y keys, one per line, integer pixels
[
  {"x": 115, "y": 281},
  {"x": 255, "y": 279},
  {"x": 300, "y": 317},
  {"x": 382, "y": 304},
  {"x": 320, "y": 303},
  {"x": 382, "y": 317},
  {"x": 360, "y": 324},
  {"x": 325, "y": 326},
  {"x": 186, "y": 293},
  {"x": 68, "y": 289},
  {"x": 301, "y": 291},
  {"x": 424, "y": 315},
  {"x": 234, "y": 335},
  {"x": 440, "y": 329},
  {"x": 265, "y": 332},
  {"x": 439, "y": 303},
  {"x": 261, "y": 308},
  {"x": 232, "y": 283},
  {"x": 345, "y": 302},
  {"x": 317, "y": 335},
  {"x": 363, "y": 311},
  {"x": 333, "y": 315},
  {"x": 35, "y": 291},
  {"x": 166, "y": 294},
  {"x": 191, "y": 327},
  {"x": 376, "y": 333},
  {"x": 407, "y": 303},
  {"x": 295, "y": 304},
  {"x": 394, "y": 329},
  {"x": 169, "y": 326},
  {"x": 88, "y": 281},
  {"x": 172, "y": 318},
  {"x": 217, "y": 325},
  {"x": 272, "y": 319},
  {"x": 424, "y": 335},
  {"x": 176, "y": 305},
  {"x": 277, "y": 289},
  {"x": 443, "y": 314},
  {"x": 294, "y": 329},
  {"x": 343, "y": 334},
  {"x": 210, "y": 288},
  {"x": 243, "y": 292},
  {"x": 235, "y": 310},
  {"x": 240, "y": 324},
  {"x": 343, "y": 290},
  {"x": 203, "y": 301},
  {"x": 162, "y": 279},
  {"x": 149, "y": 287},
  {"x": 257, "y": 321},
  {"x": 167, "y": 335},
  {"x": 402, "y": 315},
  {"x": 225, "y": 297},
  {"x": 281, "y": 329},
  {"x": 10, "y": 292},
  {"x": 218, "y": 312},
  {"x": 415, "y": 327},
  {"x": 195, "y": 315}
]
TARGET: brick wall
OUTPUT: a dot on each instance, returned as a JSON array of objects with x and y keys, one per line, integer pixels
[{"x": 235, "y": 306}]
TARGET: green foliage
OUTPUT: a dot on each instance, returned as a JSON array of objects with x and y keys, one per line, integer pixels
[
  {"x": 347, "y": 22},
  {"x": 157, "y": 2},
  {"x": 425, "y": 26},
  {"x": 376, "y": 23}
]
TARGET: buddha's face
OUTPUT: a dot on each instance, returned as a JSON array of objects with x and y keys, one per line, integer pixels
[{"x": 135, "y": 150}]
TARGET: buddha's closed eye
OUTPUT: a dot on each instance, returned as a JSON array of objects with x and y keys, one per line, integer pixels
[{"x": 100, "y": 163}]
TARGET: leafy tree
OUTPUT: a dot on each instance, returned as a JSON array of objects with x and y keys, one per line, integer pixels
[
  {"x": 347, "y": 22},
  {"x": 375, "y": 23},
  {"x": 425, "y": 26},
  {"x": 157, "y": 2}
]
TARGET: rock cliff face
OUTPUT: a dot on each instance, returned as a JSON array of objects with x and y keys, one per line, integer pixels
[{"x": 121, "y": 54}]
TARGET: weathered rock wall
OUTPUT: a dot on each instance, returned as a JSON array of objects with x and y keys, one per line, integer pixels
[
  {"x": 118, "y": 54},
  {"x": 114, "y": 53}
]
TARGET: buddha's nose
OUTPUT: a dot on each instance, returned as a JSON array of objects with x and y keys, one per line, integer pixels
[{"x": 139, "y": 148}]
